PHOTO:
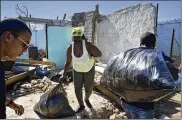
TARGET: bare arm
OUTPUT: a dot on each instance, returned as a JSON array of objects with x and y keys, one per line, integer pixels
[
  {"x": 19, "y": 110},
  {"x": 68, "y": 60},
  {"x": 93, "y": 50}
]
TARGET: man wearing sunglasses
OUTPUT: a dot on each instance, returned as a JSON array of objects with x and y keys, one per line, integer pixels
[
  {"x": 15, "y": 37},
  {"x": 82, "y": 55}
]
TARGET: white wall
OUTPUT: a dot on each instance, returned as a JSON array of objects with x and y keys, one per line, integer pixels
[
  {"x": 164, "y": 31},
  {"x": 121, "y": 30},
  {"x": 88, "y": 25}
]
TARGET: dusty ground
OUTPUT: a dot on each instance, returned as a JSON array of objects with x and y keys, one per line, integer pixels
[
  {"x": 100, "y": 104},
  {"x": 170, "y": 106}
]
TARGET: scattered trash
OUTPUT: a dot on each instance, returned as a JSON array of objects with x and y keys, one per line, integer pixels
[
  {"x": 42, "y": 71},
  {"x": 40, "y": 85}
]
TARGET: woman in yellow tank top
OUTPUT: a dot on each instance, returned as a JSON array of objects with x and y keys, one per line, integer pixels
[{"x": 82, "y": 54}]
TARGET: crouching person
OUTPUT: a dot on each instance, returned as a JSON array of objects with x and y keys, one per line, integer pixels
[{"x": 15, "y": 37}]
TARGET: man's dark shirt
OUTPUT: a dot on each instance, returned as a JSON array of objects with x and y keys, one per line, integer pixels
[
  {"x": 166, "y": 58},
  {"x": 2, "y": 92}
]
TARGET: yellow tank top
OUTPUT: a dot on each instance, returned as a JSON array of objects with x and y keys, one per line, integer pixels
[{"x": 83, "y": 63}]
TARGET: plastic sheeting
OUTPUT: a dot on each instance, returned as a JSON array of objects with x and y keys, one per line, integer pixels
[
  {"x": 59, "y": 39},
  {"x": 139, "y": 75}
]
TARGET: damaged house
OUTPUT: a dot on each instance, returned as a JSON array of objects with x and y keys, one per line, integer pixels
[{"x": 112, "y": 34}]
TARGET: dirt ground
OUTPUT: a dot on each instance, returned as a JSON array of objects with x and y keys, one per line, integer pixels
[
  {"x": 170, "y": 107},
  {"x": 99, "y": 103}
]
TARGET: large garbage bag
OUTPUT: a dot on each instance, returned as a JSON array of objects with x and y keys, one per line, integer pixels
[
  {"x": 139, "y": 75},
  {"x": 54, "y": 104},
  {"x": 57, "y": 76}
]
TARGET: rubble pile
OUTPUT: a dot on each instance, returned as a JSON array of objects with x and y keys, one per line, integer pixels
[
  {"x": 33, "y": 86},
  {"x": 106, "y": 112},
  {"x": 97, "y": 77}
]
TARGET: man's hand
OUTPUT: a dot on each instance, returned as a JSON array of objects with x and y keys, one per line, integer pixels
[
  {"x": 179, "y": 68},
  {"x": 19, "y": 110}
]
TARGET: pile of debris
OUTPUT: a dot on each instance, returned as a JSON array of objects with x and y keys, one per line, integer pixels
[
  {"x": 106, "y": 104},
  {"x": 107, "y": 112},
  {"x": 97, "y": 77},
  {"x": 103, "y": 107},
  {"x": 32, "y": 86}
]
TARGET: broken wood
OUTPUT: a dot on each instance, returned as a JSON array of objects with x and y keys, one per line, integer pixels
[
  {"x": 104, "y": 91},
  {"x": 108, "y": 94},
  {"x": 9, "y": 74},
  {"x": 31, "y": 61},
  {"x": 41, "y": 20},
  {"x": 18, "y": 77},
  {"x": 45, "y": 87}
]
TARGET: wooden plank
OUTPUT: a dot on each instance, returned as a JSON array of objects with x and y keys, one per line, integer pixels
[
  {"x": 36, "y": 20},
  {"x": 18, "y": 77},
  {"x": 108, "y": 94},
  {"x": 43, "y": 21},
  {"x": 30, "y": 61},
  {"x": 29, "y": 65},
  {"x": 9, "y": 75}
]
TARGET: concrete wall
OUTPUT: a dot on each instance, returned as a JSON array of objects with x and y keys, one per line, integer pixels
[
  {"x": 88, "y": 25},
  {"x": 164, "y": 31},
  {"x": 121, "y": 30}
]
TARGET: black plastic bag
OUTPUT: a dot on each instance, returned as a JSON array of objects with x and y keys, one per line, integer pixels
[
  {"x": 139, "y": 75},
  {"x": 40, "y": 71},
  {"x": 54, "y": 104}
]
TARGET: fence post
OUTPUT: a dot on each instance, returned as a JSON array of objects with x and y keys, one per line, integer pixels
[{"x": 172, "y": 39}]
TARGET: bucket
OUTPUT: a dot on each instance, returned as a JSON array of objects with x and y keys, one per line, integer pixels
[{"x": 33, "y": 53}]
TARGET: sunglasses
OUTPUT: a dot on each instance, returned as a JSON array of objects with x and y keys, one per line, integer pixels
[
  {"x": 77, "y": 33},
  {"x": 25, "y": 45}
]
